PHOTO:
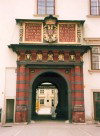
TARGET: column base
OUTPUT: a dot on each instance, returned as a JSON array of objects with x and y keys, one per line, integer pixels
[
  {"x": 78, "y": 117},
  {"x": 21, "y": 117}
]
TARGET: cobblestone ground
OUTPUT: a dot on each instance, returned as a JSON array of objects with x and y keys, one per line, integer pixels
[{"x": 50, "y": 128}]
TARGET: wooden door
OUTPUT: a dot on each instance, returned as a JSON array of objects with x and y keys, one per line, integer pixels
[
  {"x": 97, "y": 106},
  {"x": 9, "y": 110}
]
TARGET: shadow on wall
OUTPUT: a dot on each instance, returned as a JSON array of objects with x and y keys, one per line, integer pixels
[{"x": 0, "y": 114}]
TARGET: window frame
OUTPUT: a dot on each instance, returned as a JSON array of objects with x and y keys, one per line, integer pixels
[
  {"x": 52, "y": 91},
  {"x": 97, "y": 8},
  {"x": 95, "y": 100},
  {"x": 46, "y": 9},
  {"x": 41, "y": 91},
  {"x": 98, "y": 54},
  {"x": 42, "y": 100}
]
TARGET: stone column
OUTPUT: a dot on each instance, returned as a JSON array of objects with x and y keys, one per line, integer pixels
[
  {"x": 29, "y": 93},
  {"x": 78, "y": 108},
  {"x": 21, "y": 97}
]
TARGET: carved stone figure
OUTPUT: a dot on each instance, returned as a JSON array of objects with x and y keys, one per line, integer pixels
[
  {"x": 28, "y": 56},
  {"x": 61, "y": 57},
  {"x": 39, "y": 56},
  {"x": 18, "y": 57},
  {"x": 50, "y": 56},
  {"x": 72, "y": 57}
]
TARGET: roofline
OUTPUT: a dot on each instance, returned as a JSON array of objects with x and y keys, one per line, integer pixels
[{"x": 42, "y": 20}]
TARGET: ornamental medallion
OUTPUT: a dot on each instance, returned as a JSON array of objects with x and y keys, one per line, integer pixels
[
  {"x": 50, "y": 33},
  {"x": 50, "y": 29}
]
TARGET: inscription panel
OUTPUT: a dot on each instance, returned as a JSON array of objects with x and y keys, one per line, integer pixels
[
  {"x": 33, "y": 32},
  {"x": 67, "y": 33}
]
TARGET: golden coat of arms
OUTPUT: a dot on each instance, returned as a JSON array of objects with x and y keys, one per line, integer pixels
[
  {"x": 50, "y": 30},
  {"x": 50, "y": 33}
]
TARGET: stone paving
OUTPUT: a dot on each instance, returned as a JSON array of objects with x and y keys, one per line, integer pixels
[{"x": 50, "y": 128}]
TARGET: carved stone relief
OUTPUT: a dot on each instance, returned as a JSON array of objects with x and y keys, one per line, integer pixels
[
  {"x": 50, "y": 56},
  {"x": 39, "y": 56},
  {"x": 21, "y": 108},
  {"x": 72, "y": 58},
  {"x": 28, "y": 56},
  {"x": 21, "y": 33},
  {"x": 18, "y": 57},
  {"x": 50, "y": 33},
  {"x": 78, "y": 33},
  {"x": 61, "y": 57}
]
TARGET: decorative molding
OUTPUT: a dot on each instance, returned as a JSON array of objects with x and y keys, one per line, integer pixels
[
  {"x": 21, "y": 33},
  {"x": 49, "y": 56},
  {"x": 92, "y": 41},
  {"x": 33, "y": 32},
  {"x": 79, "y": 33},
  {"x": 47, "y": 30},
  {"x": 21, "y": 108},
  {"x": 67, "y": 33},
  {"x": 93, "y": 71},
  {"x": 93, "y": 16},
  {"x": 95, "y": 90},
  {"x": 22, "y": 48},
  {"x": 49, "y": 64},
  {"x": 78, "y": 108},
  {"x": 43, "y": 15}
]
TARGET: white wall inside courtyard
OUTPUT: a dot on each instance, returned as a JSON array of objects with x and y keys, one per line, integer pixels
[{"x": 91, "y": 84}]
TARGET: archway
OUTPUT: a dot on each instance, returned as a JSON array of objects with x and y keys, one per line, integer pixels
[{"x": 60, "y": 83}]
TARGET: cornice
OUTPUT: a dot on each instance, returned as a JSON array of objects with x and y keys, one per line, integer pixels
[
  {"x": 68, "y": 47},
  {"x": 41, "y": 20},
  {"x": 92, "y": 40}
]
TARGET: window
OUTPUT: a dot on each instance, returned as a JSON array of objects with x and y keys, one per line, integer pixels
[
  {"x": 41, "y": 101},
  {"x": 97, "y": 96},
  {"x": 46, "y": 7},
  {"x": 96, "y": 58},
  {"x": 41, "y": 91},
  {"x": 52, "y": 102},
  {"x": 97, "y": 106},
  {"x": 95, "y": 7},
  {"x": 52, "y": 91}
]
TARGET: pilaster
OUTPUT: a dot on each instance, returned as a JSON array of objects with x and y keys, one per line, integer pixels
[
  {"x": 21, "y": 95},
  {"x": 78, "y": 97}
]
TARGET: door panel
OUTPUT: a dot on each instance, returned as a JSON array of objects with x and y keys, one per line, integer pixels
[
  {"x": 9, "y": 110},
  {"x": 97, "y": 106}
]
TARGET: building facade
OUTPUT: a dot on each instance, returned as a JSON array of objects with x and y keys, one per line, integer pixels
[
  {"x": 50, "y": 41},
  {"x": 46, "y": 97}
]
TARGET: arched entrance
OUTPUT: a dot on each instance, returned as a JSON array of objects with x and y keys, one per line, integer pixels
[
  {"x": 64, "y": 60},
  {"x": 68, "y": 81},
  {"x": 61, "y": 84}
]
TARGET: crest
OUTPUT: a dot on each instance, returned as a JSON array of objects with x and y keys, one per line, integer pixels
[{"x": 50, "y": 29}]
